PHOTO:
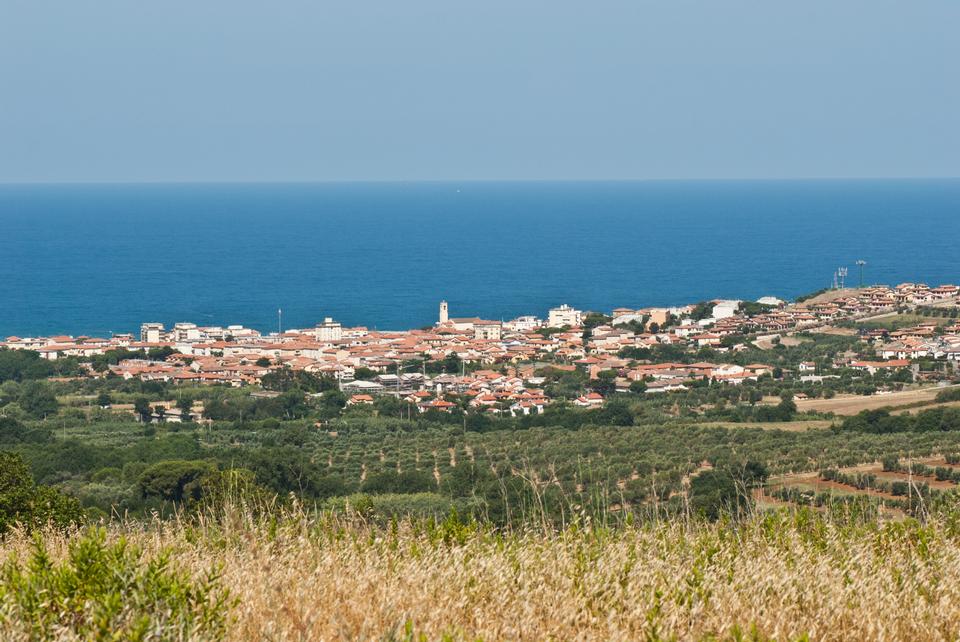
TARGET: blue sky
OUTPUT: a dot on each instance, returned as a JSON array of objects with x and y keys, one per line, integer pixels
[{"x": 219, "y": 90}]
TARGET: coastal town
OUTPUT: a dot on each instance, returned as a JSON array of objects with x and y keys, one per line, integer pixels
[{"x": 499, "y": 364}]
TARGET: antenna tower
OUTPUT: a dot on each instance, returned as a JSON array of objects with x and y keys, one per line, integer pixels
[{"x": 860, "y": 264}]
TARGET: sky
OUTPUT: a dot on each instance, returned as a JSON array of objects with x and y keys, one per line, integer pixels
[{"x": 313, "y": 90}]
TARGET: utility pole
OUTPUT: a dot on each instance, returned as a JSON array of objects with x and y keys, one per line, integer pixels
[{"x": 860, "y": 264}]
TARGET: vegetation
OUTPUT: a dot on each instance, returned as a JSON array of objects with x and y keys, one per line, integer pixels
[
  {"x": 294, "y": 574},
  {"x": 640, "y": 519},
  {"x": 91, "y": 589}
]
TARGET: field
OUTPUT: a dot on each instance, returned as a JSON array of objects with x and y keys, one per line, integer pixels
[
  {"x": 784, "y": 576},
  {"x": 911, "y": 486},
  {"x": 852, "y": 404},
  {"x": 913, "y": 411},
  {"x": 897, "y": 321},
  {"x": 789, "y": 426}
]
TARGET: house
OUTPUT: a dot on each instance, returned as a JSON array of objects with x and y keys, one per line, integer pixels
[
  {"x": 361, "y": 387},
  {"x": 437, "y": 404},
  {"x": 357, "y": 400},
  {"x": 873, "y": 366},
  {"x": 589, "y": 400},
  {"x": 665, "y": 385}
]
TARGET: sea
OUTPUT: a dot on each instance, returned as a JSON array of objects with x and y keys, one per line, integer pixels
[{"x": 96, "y": 259}]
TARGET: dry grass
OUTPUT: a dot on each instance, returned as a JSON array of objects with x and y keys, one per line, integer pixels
[
  {"x": 780, "y": 576},
  {"x": 852, "y": 404}
]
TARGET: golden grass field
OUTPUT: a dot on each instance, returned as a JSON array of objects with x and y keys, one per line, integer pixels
[
  {"x": 784, "y": 576},
  {"x": 852, "y": 404}
]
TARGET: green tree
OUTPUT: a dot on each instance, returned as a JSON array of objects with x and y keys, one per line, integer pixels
[
  {"x": 37, "y": 400},
  {"x": 176, "y": 480},
  {"x": 413, "y": 481},
  {"x": 103, "y": 399},
  {"x": 141, "y": 406},
  {"x": 23, "y": 502},
  {"x": 21, "y": 365},
  {"x": 185, "y": 405},
  {"x": 713, "y": 493},
  {"x": 605, "y": 383}
]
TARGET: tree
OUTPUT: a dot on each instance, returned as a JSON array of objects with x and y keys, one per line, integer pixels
[
  {"x": 615, "y": 413},
  {"x": 638, "y": 387},
  {"x": 22, "y": 365},
  {"x": 605, "y": 383},
  {"x": 364, "y": 374},
  {"x": 333, "y": 400},
  {"x": 185, "y": 405},
  {"x": 286, "y": 379},
  {"x": 141, "y": 406},
  {"x": 38, "y": 400},
  {"x": 701, "y": 311},
  {"x": 23, "y": 502},
  {"x": 14, "y": 432},
  {"x": 175, "y": 480},
  {"x": 103, "y": 399},
  {"x": 393, "y": 482},
  {"x": 713, "y": 493}
]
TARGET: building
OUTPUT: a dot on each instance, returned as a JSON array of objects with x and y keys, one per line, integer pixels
[
  {"x": 444, "y": 312},
  {"x": 186, "y": 332},
  {"x": 491, "y": 330},
  {"x": 524, "y": 323},
  {"x": 151, "y": 332},
  {"x": 564, "y": 316},
  {"x": 725, "y": 309},
  {"x": 329, "y": 330}
]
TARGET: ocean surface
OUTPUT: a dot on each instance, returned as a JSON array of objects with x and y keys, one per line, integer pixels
[{"x": 96, "y": 259}]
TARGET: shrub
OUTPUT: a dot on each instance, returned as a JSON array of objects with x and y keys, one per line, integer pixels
[{"x": 106, "y": 591}]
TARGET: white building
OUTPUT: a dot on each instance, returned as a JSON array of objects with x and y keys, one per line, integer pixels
[
  {"x": 564, "y": 316},
  {"x": 444, "y": 312},
  {"x": 329, "y": 330},
  {"x": 186, "y": 333},
  {"x": 151, "y": 332},
  {"x": 524, "y": 323},
  {"x": 725, "y": 309}
]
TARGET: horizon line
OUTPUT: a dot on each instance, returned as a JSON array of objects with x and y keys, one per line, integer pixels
[{"x": 444, "y": 181}]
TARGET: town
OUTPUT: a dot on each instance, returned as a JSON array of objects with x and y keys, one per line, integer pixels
[{"x": 498, "y": 367}]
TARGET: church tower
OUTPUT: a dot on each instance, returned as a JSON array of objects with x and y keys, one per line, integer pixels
[{"x": 444, "y": 312}]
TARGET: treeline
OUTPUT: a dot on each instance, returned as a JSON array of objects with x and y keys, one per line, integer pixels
[
  {"x": 880, "y": 421},
  {"x": 863, "y": 481},
  {"x": 26, "y": 365}
]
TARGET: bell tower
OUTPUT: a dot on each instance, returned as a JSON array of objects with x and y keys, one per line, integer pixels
[{"x": 444, "y": 312}]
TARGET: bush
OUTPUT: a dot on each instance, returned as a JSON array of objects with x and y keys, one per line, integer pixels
[
  {"x": 394, "y": 482},
  {"x": 106, "y": 591},
  {"x": 951, "y": 394}
]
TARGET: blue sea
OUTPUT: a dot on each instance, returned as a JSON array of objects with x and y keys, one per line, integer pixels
[{"x": 96, "y": 259}]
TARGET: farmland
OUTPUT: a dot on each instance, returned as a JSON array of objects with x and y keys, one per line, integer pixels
[{"x": 852, "y": 404}]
